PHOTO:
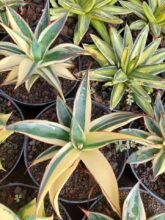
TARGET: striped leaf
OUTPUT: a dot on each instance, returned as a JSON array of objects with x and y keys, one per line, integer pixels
[
  {"x": 113, "y": 121},
  {"x": 4, "y": 134},
  {"x": 64, "y": 159},
  {"x": 4, "y": 119},
  {"x": 149, "y": 13},
  {"x": 159, "y": 164},
  {"x": 6, "y": 213},
  {"x": 143, "y": 155},
  {"x": 9, "y": 62},
  {"x": 103, "y": 74},
  {"x": 64, "y": 114},
  {"x": 43, "y": 22},
  {"x": 117, "y": 94},
  {"x": 158, "y": 107},
  {"x": 8, "y": 49},
  {"x": 105, "y": 49},
  {"x": 135, "y": 132},
  {"x": 71, "y": 7},
  {"x": 157, "y": 217},
  {"x": 162, "y": 124},
  {"x": 152, "y": 126},
  {"x": 82, "y": 105},
  {"x": 104, "y": 176},
  {"x": 45, "y": 131},
  {"x": 133, "y": 206},
  {"x": 18, "y": 24},
  {"x": 86, "y": 5},
  {"x": 45, "y": 38}
]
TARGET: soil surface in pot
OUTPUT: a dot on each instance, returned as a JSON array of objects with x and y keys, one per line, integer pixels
[
  {"x": 11, "y": 148},
  {"x": 16, "y": 197},
  {"x": 40, "y": 93},
  {"x": 145, "y": 174},
  {"x": 81, "y": 184},
  {"x": 152, "y": 206}
]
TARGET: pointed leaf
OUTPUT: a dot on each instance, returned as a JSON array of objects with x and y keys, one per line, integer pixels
[
  {"x": 159, "y": 164},
  {"x": 117, "y": 94}
]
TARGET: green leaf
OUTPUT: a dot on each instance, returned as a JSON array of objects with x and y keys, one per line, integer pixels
[
  {"x": 158, "y": 217},
  {"x": 117, "y": 43},
  {"x": 63, "y": 112},
  {"x": 143, "y": 104},
  {"x": 135, "y": 132},
  {"x": 101, "y": 3},
  {"x": 149, "y": 13},
  {"x": 140, "y": 43},
  {"x": 7, "y": 49},
  {"x": 45, "y": 38},
  {"x": 18, "y": 24},
  {"x": 102, "y": 74},
  {"x": 133, "y": 206},
  {"x": 104, "y": 48},
  {"x": 158, "y": 57},
  {"x": 117, "y": 94},
  {"x": 162, "y": 124},
  {"x": 143, "y": 155},
  {"x": 81, "y": 28},
  {"x": 112, "y": 121},
  {"x": 152, "y": 126},
  {"x": 71, "y": 7},
  {"x": 43, "y": 22},
  {"x": 139, "y": 90},
  {"x": 158, "y": 107},
  {"x": 82, "y": 105},
  {"x": 86, "y": 5},
  {"x": 101, "y": 28},
  {"x": 138, "y": 25},
  {"x": 45, "y": 131},
  {"x": 119, "y": 77},
  {"x": 159, "y": 164},
  {"x": 4, "y": 119}
]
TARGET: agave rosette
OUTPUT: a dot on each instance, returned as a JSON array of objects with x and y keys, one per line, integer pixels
[
  {"x": 91, "y": 12},
  {"x": 152, "y": 13},
  {"x": 155, "y": 132},
  {"x": 27, "y": 212},
  {"x": 133, "y": 208},
  {"x": 30, "y": 57},
  {"x": 128, "y": 66},
  {"x": 77, "y": 139}
]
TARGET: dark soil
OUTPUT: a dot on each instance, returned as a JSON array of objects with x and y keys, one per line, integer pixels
[
  {"x": 12, "y": 147},
  {"x": 17, "y": 196},
  {"x": 35, "y": 96},
  {"x": 152, "y": 206},
  {"x": 145, "y": 174},
  {"x": 81, "y": 185},
  {"x": 32, "y": 11}
]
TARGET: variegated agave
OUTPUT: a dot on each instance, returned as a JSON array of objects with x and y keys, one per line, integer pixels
[
  {"x": 156, "y": 134},
  {"x": 31, "y": 57},
  {"x": 94, "y": 12},
  {"x": 128, "y": 66},
  {"x": 76, "y": 139},
  {"x": 4, "y": 134},
  {"x": 8, "y": 3},
  {"x": 133, "y": 208},
  {"x": 152, "y": 13},
  {"x": 25, "y": 213}
]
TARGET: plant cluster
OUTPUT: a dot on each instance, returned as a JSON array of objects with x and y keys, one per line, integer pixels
[{"x": 132, "y": 67}]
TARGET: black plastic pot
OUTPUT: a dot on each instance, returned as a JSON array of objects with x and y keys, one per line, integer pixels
[
  {"x": 3, "y": 95},
  {"x": 32, "y": 192},
  {"x": 125, "y": 189},
  {"x": 122, "y": 165}
]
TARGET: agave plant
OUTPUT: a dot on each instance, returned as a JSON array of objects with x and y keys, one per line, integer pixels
[
  {"x": 128, "y": 66},
  {"x": 8, "y": 3},
  {"x": 79, "y": 139},
  {"x": 152, "y": 13},
  {"x": 155, "y": 133},
  {"x": 25, "y": 213},
  {"x": 133, "y": 208},
  {"x": 31, "y": 57},
  {"x": 94, "y": 12}
]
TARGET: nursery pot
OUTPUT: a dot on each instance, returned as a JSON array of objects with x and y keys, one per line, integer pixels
[
  {"x": 76, "y": 178},
  {"x": 11, "y": 157},
  {"x": 151, "y": 204},
  {"x": 16, "y": 195}
]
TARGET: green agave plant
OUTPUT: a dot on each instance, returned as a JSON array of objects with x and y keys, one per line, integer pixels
[
  {"x": 152, "y": 13},
  {"x": 156, "y": 134},
  {"x": 128, "y": 66},
  {"x": 76, "y": 138},
  {"x": 8, "y": 3},
  {"x": 31, "y": 57},
  {"x": 25, "y": 213},
  {"x": 133, "y": 209},
  {"x": 94, "y": 12}
]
